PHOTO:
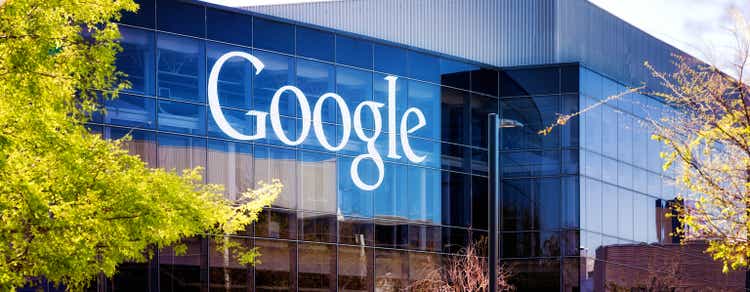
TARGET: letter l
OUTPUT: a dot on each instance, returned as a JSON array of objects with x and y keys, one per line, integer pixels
[{"x": 392, "y": 117}]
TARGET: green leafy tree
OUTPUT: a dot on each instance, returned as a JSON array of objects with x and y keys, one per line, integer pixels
[{"x": 74, "y": 205}]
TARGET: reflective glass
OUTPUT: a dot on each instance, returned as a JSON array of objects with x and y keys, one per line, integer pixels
[
  {"x": 180, "y": 152},
  {"x": 454, "y": 239},
  {"x": 238, "y": 119},
  {"x": 182, "y": 271},
  {"x": 315, "y": 79},
  {"x": 455, "y": 157},
  {"x": 571, "y": 199},
  {"x": 609, "y": 131},
  {"x": 182, "y": 118},
  {"x": 479, "y": 202},
  {"x": 142, "y": 143},
  {"x": 354, "y": 52},
  {"x": 593, "y": 205},
  {"x": 609, "y": 209},
  {"x": 355, "y": 271},
  {"x": 180, "y": 17},
  {"x": 391, "y": 60},
  {"x": 278, "y": 163},
  {"x": 229, "y": 27},
  {"x": 231, "y": 165},
  {"x": 424, "y": 96},
  {"x": 455, "y": 113},
  {"x": 131, "y": 111},
  {"x": 455, "y": 74},
  {"x": 353, "y": 200},
  {"x": 137, "y": 60},
  {"x": 526, "y": 117},
  {"x": 592, "y": 124},
  {"x": 355, "y": 86},
  {"x": 317, "y": 227},
  {"x": 278, "y": 72},
  {"x": 144, "y": 17},
  {"x": 536, "y": 274},
  {"x": 569, "y": 79},
  {"x": 520, "y": 82},
  {"x": 234, "y": 85},
  {"x": 625, "y": 137},
  {"x": 569, "y": 133},
  {"x": 317, "y": 181},
  {"x": 380, "y": 94},
  {"x": 481, "y": 107},
  {"x": 276, "y": 223},
  {"x": 479, "y": 161},
  {"x": 456, "y": 201},
  {"x": 530, "y": 163},
  {"x": 317, "y": 267},
  {"x": 272, "y": 35},
  {"x": 356, "y": 231},
  {"x": 277, "y": 267},
  {"x": 421, "y": 265},
  {"x": 392, "y": 198},
  {"x": 391, "y": 270},
  {"x": 485, "y": 81},
  {"x": 425, "y": 237},
  {"x": 391, "y": 234},
  {"x": 423, "y": 66},
  {"x": 590, "y": 84},
  {"x": 181, "y": 64},
  {"x": 625, "y": 213},
  {"x": 531, "y": 204},
  {"x": 424, "y": 194},
  {"x": 315, "y": 43},
  {"x": 226, "y": 273}
]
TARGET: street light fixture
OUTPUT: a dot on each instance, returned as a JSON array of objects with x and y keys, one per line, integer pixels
[{"x": 495, "y": 124}]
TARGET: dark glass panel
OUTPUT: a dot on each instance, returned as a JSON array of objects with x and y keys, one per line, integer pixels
[
  {"x": 571, "y": 274},
  {"x": 391, "y": 195},
  {"x": 180, "y": 17},
  {"x": 279, "y": 71},
  {"x": 129, "y": 277},
  {"x": 229, "y": 27},
  {"x": 278, "y": 163},
  {"x": 356, "y": 231},
  {"x": 570, "y": 202},
  {"x": 184, "y": 118},
  {"x": 570, "y": 161},
  {"x": 315, "y": 79},
  {"x": 527, "y": 116},
  {"x": 480, "y": 240},
  {"x": 423, "y": 265},
  {"x": 315, "y": 43},
  {"x": 317, "y": 267},
  {"x": 569, "y": 79},
  {"x": 180, "y": 152},
  {"x": 531, "y": 204},
  {"x": 570, "y": 244},
  {"x": 231, "y": 165},
  {"x": 520, "y": 244},
  {"x": 317, "y": 181},
  {"x": 530, "y": 163},
  {"x": 423, "y": 66},
  {"x": 569, "y": 133},
  {"x": 318, "y": 227},
  {"x": 276, "y": 223},
  {"x": 484, "y": 81},
  {"x": 278, "y": 265},
  {"x": 391, "y": 234},
  {"x": 536, "y": 275},
  {"x": 454, "y": 239},
  {"x": 226, "y": 273},
  {"x": 272, "y": 35},
  {"x": 455, "y": 73},
  {"x": 131, "y": 111},
  {"x": 234, "y": 85},
  {"x": 391, "y": 60},
  {"x": 455, "y": 157},
  {"x": 455, "y": 113},
  {"x": 524, "y": 82},
  {"x": 481, "y": 107},
  {"x": 391, "y": 270},
  {"x": 354, "y": 52},
  {"x": 181, "y": 64},
  {"x": 137, "y": 60},
  {"x": 183, "y": 272},
  {"x": 145, "y": 16},
  {"x": 456, "y": 196},
  {"x": 425, "y": 237},
  {"x": 355, "y": 271},
  {"x": 142, "y": 143},
  {"x": 479, "y": 202}
]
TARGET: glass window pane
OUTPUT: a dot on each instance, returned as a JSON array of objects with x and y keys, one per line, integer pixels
[
  {"x": 279, "y": 71},
  {"x": 231, "y": 165},
  {"x": 380, "y": 87},
  {"x": 424, "y": 195},
  {"x": 536, "y": 274},
  {"x": 226, "y": 273},
  {"x": 569, "y": 132},
  {"x": 145, "y": 16},
  {"x": 317, "y": 267},
  {"x": 182, "y": 272},
  {"x": 229, "y": 27},
  {"x": 131, "y": 111},
  {"x": 137, "y": 60},
  {"x": 317, "y": 227},
  {"x": 180, "y": 17},
  {"x": 425, "y": 97},
  {"x": 354, "y": 201},
  {"x": 272, "y": 35},
  {"x": 609, "y": 209},
  {"x": 609, "y": 135},
  {"x": 355, "y": 268},
  {"x": 276, "y": 223},
  {"x": 181, "y": 117},
  {"x": 391, "y": 234},
  {"x": 142, "y": 143},
  {"x": 354, "y": 52},
  {"x": 530, "y": 163},
  {"x": 391, "y": 60},
  {"x": 317, "y": 181},
  {"x": 481, "y": 107},
  {"x": 234, "y": 84},
  {"x": 315, "y": 43},
  {"x": 316, "y": 79},
  {"x": 625, "y": 213},
  {"x": 425, "y": 237},
  {"x": 456, "y": 199},
  {"x": 455, "y": 112},
  {"x": 277, "y": 267},
  {"x": 180, "y": 152},
  {"x": 484, "y": 81},
  {"x": 278, "y": 163},
  {"x": 355, "y": 86},
  {"x": 593, "y": 205},
  {"x": 238, "y": 119},
  {"x": 571, "y": 202},
  {"x": 391, "y": 270},
  {"x": 455, "y": 157},
  {"x": 392, "y": 194},
  {"x": 423, "y": 265},
  {"x": 536, "y": 81},
  {"x": 455, "y": 74},
  {"x": 529, "y": 115},
  {"x": 356, "y": 231},
  {"x": 423, "y": 66},
  {"x": 569, "y": 79},
  {"x": 181, "y": 64},
  {"x": 480, "y": 202}
]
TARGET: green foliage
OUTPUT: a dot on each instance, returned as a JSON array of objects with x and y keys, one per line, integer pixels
[{"x": 72, "y": 204}]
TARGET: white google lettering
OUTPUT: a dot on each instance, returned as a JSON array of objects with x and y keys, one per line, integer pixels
[{"x": 346, "y": 119}]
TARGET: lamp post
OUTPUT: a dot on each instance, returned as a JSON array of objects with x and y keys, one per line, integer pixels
[{"x": 495, "y": 124}]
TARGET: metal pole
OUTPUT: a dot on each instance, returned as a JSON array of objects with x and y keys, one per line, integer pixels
[{"x": 494, "y": 193}]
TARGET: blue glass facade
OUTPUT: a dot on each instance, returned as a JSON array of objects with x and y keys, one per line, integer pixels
[{"x": 560, "y": 192}]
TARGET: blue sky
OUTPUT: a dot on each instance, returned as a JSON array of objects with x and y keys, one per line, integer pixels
[{"x": 699, "y": 27}]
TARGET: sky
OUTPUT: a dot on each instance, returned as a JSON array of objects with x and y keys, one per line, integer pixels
[{"x": 698, "y": 27}]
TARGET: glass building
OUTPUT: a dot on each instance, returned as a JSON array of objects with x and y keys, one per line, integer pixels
[{"x": 582, "y": 208}]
